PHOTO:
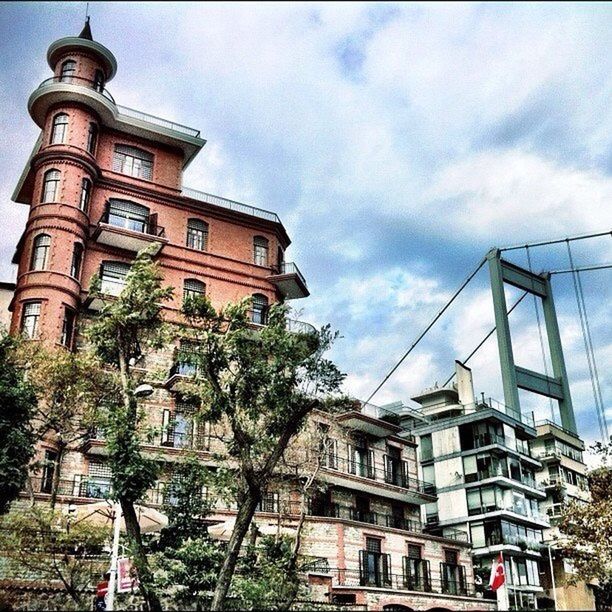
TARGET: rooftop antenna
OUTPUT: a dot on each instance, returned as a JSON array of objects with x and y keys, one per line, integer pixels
[{"x": 87, "y": 11}]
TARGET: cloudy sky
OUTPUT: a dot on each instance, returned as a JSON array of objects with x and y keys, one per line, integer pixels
[{"x": 397, "y": 142}]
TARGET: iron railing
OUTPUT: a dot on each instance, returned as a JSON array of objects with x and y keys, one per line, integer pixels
[
  {"x": 165, "y": 123},
  {"x": 147, "y": 226},
  {"x": 180, "y": 439},
  {"x": 288, "y": 267},
  {"x": 215, "y": 200},
  {"x": 79, "y": 82},
  {"x": 372, "y": 518}
]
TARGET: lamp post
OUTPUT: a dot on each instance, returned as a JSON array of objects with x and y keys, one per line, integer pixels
[{"x": 140, "y": 391}]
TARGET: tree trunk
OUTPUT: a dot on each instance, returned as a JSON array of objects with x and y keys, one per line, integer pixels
[
  {"x": 145, "y": 577},
  {"x": 243, "y": 522},
  {"x": 57, "y": 468}
]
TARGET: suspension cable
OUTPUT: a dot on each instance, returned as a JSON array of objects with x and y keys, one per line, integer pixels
[
  {"x": 556, "y": 241},
  {"x": 598, "y": 408},
  {"x": 486, "y": 338},
  {"x": 426, "y": 330},
  {"x": 604, "y": 266}
]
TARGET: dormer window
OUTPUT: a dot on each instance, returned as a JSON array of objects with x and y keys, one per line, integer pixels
[
  {"x": 68, "y": 71},
  {"x": 260, "y": 251},
  {"x": 60, "y": 129},
  {"x": 133, "y": 162}
]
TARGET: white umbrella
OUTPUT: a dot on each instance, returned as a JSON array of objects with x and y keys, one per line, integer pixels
[{"x": 101, "y": 513}]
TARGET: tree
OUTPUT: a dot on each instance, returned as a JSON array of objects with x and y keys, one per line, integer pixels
[
  {"x": 17, "y": 404},
  {"x": 262, "y": 385},
  {"x": 126, "y": 328},
  {"x": 41, "y": 544},
  {"x": 586, "y": 528},
  {"x": 72, "y": 389}
]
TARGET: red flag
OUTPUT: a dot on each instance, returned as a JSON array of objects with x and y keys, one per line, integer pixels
[{"x": 498, "y": 573}]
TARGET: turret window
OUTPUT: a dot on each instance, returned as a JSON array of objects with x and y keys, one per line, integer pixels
[
  {"x": 85, "y": 195},
  {"x": 29, "y": 320},
  {"x": 92, "y": 138},
  {"x": 68, "y": 71},
  {"x": 77, "y": 260},
  {"x": 260, "y": 250},
  {"x": 60, "y": 129},
  {"x": 133, "y": 162},
  {"x": 193, "y": 288},
  {"x": 259, "y": 314},
  {"x": 40, "y": 252},
  {"x": 51, "y": 185},
  {"x": 113, "y": 276},
  {"x": 197, "y": 234},
  {"x": 98, "y": 83},
  {"x": 68, "y": 327}
]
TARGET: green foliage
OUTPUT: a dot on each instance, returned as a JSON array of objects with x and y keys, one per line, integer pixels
[
  {"x": 17, "y": 405},
  {"x": 587, "y": 527},
  {"x": 42, "y": 544}
]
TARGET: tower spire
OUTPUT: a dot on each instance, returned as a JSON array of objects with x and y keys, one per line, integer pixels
[{"x": 86, "y": 31}]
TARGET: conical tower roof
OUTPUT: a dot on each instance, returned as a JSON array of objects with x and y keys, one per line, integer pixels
[{"x": 86, "y": 31}]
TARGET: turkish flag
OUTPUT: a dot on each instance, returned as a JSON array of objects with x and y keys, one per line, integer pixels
[{"x": 498, "y": 573}]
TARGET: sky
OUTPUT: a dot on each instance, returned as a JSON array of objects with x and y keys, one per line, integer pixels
[{"x": 398, "y": 143}]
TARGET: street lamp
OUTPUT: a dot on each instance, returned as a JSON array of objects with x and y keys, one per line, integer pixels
[{"x": 143, "y": 390}]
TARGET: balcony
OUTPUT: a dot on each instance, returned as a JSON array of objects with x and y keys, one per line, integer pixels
[
  {"x": 127, "y": 233},
  {"x": 358, "y": 421},
  {"x": 183, "y": 440},
  {"x": 181, "y": 370},
  {"x": 350, "y": 513},
  {"x": 289, "y": 281},
  {"x": 375, "y": 479}
]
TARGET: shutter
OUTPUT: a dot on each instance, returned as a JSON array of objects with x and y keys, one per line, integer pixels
[
  {"x": 371, "y": 469},
  {"x": 76, "y": 485},
  {"x": 363, "y": 563},
  {"x": 462, "y": 579},
  {"x": 406, "y": 570},
  {"x": 426, "y": 575},
  {"x": 165, "y": 433},
  {"x": 387, "y": 467},
  {"x": 404, "y": 475},
  {"x": 386, "y": 566},
  {"x": 152, "y": 229},
  {"x": 350, "y": 452}
]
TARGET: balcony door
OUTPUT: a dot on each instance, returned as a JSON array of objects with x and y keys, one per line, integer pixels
[
  {"x": 417, "y": 575},
  {"x": 374, "y": 565},
  {"x": 361, "y": 459},
  {"x": 452, "y": 574},
  {"x": 128, "y": 215},
  {"x": 394, "y": 468}
]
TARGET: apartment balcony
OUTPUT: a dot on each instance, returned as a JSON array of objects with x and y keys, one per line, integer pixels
[
  {"x": 180, "y": 371},
  {"x": 505, "y": 479},
  {"x": 129, "y": 234},
  {"x": 79, "y": 487},
  {"x": 289, "y": 281},
  {"x": 376, "y": 479},
  {"x": 372, "y": 426},
  {"x": 350, "y": 513}
]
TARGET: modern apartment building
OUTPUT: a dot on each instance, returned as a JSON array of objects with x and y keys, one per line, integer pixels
[
  {"x": 563, "y": 476},
  {"x": 478, "y": 454},
  {"x": 104, "y": 181}
]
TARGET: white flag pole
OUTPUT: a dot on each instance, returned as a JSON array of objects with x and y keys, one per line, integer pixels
[
  {"x": 503, "y": 599},
  {"x": 112, "y": 584}
]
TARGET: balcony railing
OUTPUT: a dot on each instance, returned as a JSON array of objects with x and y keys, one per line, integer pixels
[
  {"x": 500, "y": 473},
  {"x": 179, "y": 439},
  {"x": 147, "y": 226},
  {"x": 372, "y": 518},
  {"x": 400, "y": 582},
  {"x": 165, "y": 123},
  {"x": 215, "y": 200},
  {"x": 288, "y": 267},
  {"x": 379, "y": 473},
  {"x": 80, "y": 82}
]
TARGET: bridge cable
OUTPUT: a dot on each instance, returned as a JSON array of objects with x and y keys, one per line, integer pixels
[{"x": 426, "y": 330}]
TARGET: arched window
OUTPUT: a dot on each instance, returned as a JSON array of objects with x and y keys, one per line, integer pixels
[
  {"x": 193, "y": 288},
  {"x": 259, "y": 314},
  {"x": 60, "y": 129},
  {"x": 130, "y": 215},
  {"x": 29, "y": 319},
  {"x": 85, "y": 195},
  {"x": 112, "y": 277},
  {"x": 50, "y": 186},
  {"x": 197, "y": 234},
  {"x": 98, "y": 82},
  {"x": 40, "y": 252},
  {"x": 68, "y": 70},
  {"x": 68, "y": 327},
  {"x": 260, "y": 250},
  {"x": 133, "y": 161},
  {"x": 77, "y": 260},
  {"x": 92, "y": 138}
]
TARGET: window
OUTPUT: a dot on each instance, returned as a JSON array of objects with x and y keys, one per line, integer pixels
[
  {"x": 426, "y": 448},
  {"x": 48, "y": 473},
  {"x": 59, "y": 131},
  {"x": 269, "y": 502},
  {"x": 133, "y": 162},
  {"x": 50, "y": 185},
  {"x": 85, "y": 195},
  {"x": 197, "y": 234},
  {"x": 77, "y": 260},
  {"x": 260, "y": 250},
  {"x": 29, "y": 320},
  {"x": 92, "y": 138},
  {"x": 129, "y": 215},
  {"x": 40, "y": 252},
  {"x": 68, "y": 328},
  {"x": 193, "y": 288},
  {"x": 416, "y": 570},
  {"x": 99, "y": 477},
  {"x": 68, "y": 70},
  {"x": 112, "y": 277},
  {"x": 374, "y": 566},
  {"x": 259, "y": 313},
  {"x": 98, "y": 82}
]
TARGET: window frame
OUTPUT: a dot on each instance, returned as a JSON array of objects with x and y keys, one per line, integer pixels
[
  {"x": 76, "y": 264},
  {"x": 39, "y": 262},
  {"x": 68, "y": 327},
  {"x": 92, "y": 137},
  {"x": 113, "y": 281},
  {"x": 261, "y": 251},
  {"x": 197, "y": 235},
  {"x": 142, "y": 170},
  {"x": 59, "y": 129},
  {"x": 51, "y": 177},
  {"x": 192, "y": 292},
  {"x": 84, "y": 200},
  {"x": 66, "y": 75},
  {"x": 31, "y": 331},
  {"x": 259, "y": 309}
]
